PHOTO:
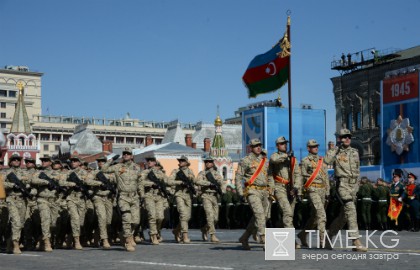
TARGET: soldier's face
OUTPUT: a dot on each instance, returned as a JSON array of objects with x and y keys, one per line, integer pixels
[
  {"x": 57, "y": 166},
  {"x": 182, "y": 163},
  {"x": 30, "y": 165},
  {"x": 75, "y": 164},
  {"x": 100, "y": 164},
  {"x": 396, "y": 178},
  {"x": 346, "y": 140},
  {"x": 208, "y": 164},
  {"x": 15, "y": 163},
  {"x": 46, "y": 163},
  {"x": 151, "y": 163},
  {"x": 282, "y": 147},
  {"x": 411, "y": 180},
  {"x": 313, "y": 149},
  {"x": 127, "y": 156},
  {"x": 256, "y": 149}
]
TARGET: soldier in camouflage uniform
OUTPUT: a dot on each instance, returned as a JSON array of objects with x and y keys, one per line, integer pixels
[
  {"x": 127, "y": 176},
  {"x": 153, "y": 190},
  {"x": 76, "y": 199},
  {"x": 4, "y": 215},
  {"x": 210, "y": 197},
  {"x": 316, "y": 182},
  {"x": 183, "y": 197},
  {"x": 16, "y": 203},
  {"x": 365, "y": 196},
  {"x": 346, "y": 163},
  {"x": 282, "y": 166},
  {"x": 102, "y": 201},
  {"x": 253, "y": 170}
]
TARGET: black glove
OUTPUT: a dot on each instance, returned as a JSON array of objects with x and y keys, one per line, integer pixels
[
  {"x": 299, "y": 198},
  {"x": 290, "y": 154},
  {"x": 114, "y": 158},
  {"x": 212, "y": 186}
]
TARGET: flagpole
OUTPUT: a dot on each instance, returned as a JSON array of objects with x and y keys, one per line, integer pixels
[{"x": 289, "y": 84}]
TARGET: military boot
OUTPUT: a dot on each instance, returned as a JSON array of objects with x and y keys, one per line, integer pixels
[
  {"x": 128, "y": 245},
  {"x": 213, "y": 238},
  {"x": 204, "y": 233},
  {"x": 185, "y": 238},
  {"x": 176, "y": 233},
  {"x": 77, "y": 245},
  {"x": 137, "y": 239},
  {"x": 359, "y": 247},
  {"x": 105, "y": 244},
  {"x": 16, "y": 248},
  {"x": 47, "y": 245},
  {"x": 244, "y": 241},
  {"x": 159, "y": 237},
  {"x": 154, "y": 239},
  {"x": 302, "y": 237},
  {"x": 133, "y": 242},
  {"x": 69, "y": 242}
]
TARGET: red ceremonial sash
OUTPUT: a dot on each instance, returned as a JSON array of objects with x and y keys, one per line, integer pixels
[
  {"x": 394, "y": 209},
  {"x": 256, "y": 173},
  {"x": 314, "y": 174}
]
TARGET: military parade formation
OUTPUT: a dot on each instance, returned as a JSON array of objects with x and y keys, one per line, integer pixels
[{"x": 60, "y": 205}]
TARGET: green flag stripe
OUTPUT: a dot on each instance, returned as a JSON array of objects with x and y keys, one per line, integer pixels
[{"x": 268, "y": 85}]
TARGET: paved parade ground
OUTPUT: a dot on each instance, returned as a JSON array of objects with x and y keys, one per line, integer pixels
[{"x": 224, "y": 255}]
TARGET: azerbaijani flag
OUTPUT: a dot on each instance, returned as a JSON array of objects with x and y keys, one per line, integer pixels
[{"x": 267, "y": 72}]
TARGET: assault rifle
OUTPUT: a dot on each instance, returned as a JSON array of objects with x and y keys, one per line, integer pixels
[
  {"x": 160, "y": 185},
  {"x": 106, "y": 183},
  {"x": 180, "y": 175},
  {"x": 79, "y": 184},
  {"x": 19, "y": 185},
  {"x": 52, "y": 183},
  {"x": 214, "y": 184}
]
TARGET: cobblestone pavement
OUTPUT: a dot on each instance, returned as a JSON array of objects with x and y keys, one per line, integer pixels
[{"x": 224, "y": 255}]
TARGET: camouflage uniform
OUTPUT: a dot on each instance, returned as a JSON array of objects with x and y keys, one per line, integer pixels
[
  {"x": 318, "y": 191},
  {"x": 16, "y": 205},
  {"x": 4, "y": 215},
  {"x": 183, "y": 199},
  {"x": 279, "y": 173},
  {"x": 256, "y": 193},
  {"x": 154, "y": 200},
  {"x": 127, "y": 177},
  {"x": 210, "y": 200},
  {"x": 32, "y": 224},
  {"x": 346, "y": 164}
]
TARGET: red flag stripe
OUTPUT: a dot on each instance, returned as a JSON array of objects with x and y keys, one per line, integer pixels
[{"x": 259, "y": 73}]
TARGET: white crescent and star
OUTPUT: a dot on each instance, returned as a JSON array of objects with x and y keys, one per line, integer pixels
[{"x": 271, "y": 69}]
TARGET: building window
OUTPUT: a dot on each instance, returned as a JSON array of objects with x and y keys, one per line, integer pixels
[
  {"x": 3, "y": 115},
  {"x": 359, "y": 120},
  {"x": 349, "y": 121},
  {"x": 3, "y": 93},
  {"x": 45, "y": 137},
  {"x": 139, "y": 140},
  {"x": 56, "y": 137},
  {"x": 3, "y": 125},
  {"x": 57, "y": 148},
  {"x": 129, "y": 140},
  {"x": 2, "y": 104},
  {"x": 12, "y": 93},
  {"x": 119, "y": 140},
  {"x": 46, "y": 147}
]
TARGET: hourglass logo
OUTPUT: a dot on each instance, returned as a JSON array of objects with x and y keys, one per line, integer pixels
[{"x": 280, "y": 244}]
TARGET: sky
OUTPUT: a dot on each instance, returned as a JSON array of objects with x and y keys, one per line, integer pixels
[{"x": 162, "y": 60}]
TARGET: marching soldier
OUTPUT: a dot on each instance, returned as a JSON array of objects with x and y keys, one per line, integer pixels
[
  {"x": 102, "y": 201},
  {"x": 346, "y": 163},
  {"x": 315, "y": 177},
  {"x": 4, "y": 215},
  {"x": 127, "y": 176},
  {"x": 16, "y": 186},
  {"x": 253, "y": 169},
  {"x": 76, "y": 199},
  {"x": 153, "y": 190},
  {"x": 212, "y": 186},
  {"x": 283, "y": 170},
  {"x": 412, "y": 195},
  {"x": 365, "y": 196},
  {"x": 183, "y": 179},
  {"x": 381, "y": 194},
  {"x": 396, "y": 193}
]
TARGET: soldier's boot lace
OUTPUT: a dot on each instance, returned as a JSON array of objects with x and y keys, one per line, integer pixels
[
  {"x": 302, "y": 237},
  {"x": 16, "y": 248},
  {"x": 105, "y": 244},
  {"x": 213, "y": 238},
  {"x": 47, "y": 245},
  {"x": 128, "y": 245},
  {"x": 77, "y": 245},
  {"x": 185, "y": 238},
  {"x": 359, "y": 247},
  {"x": 244, "y": 241},
  {"x": 154, "y": 239}
]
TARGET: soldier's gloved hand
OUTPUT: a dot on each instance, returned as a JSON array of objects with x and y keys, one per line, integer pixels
[
  {"x": 212, "y": 186},
  {"x": 290, "y": 154},
  {"x": 400, "y": 199}
]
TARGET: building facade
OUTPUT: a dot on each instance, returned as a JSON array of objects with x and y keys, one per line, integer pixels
[{"x": 357, "y": 93}]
